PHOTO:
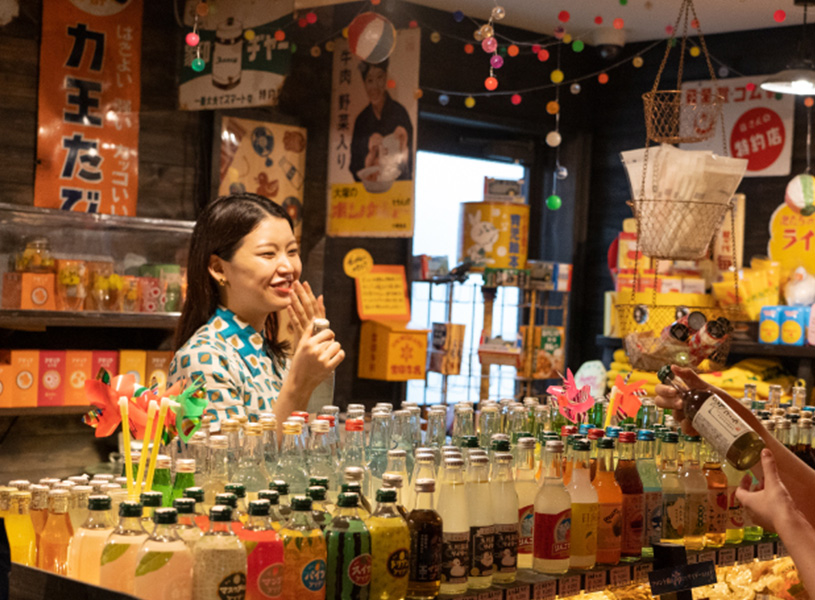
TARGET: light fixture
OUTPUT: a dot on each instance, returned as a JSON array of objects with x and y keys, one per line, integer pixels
[{"x": 799, "y": 76}]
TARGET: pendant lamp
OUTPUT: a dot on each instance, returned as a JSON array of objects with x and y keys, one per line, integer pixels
[{"x": 799, "y": 76}]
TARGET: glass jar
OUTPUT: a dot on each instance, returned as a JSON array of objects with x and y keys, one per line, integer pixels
[
  {"x": 106, "y": 286},
  {"x": 35, "y": 257},
  {"x": 72, "y": 283}
]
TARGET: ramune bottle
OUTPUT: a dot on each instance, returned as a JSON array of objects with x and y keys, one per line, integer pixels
[
  {"x": 526, "y": 488},
  {"x": 89, "y": 540},
  {"x": 121, "y": 550},
  {"x": 673, "y": 492},
  {"x": 186, "y": 528},
  {"x": 219, "y": 560},
  {"x": 291, "y": 467},
  {"x": 453, "y": 508},
  {"x": 378, "y": 446},
  {"x": 696, "y": 495},
  {"x": 20, "y": 531},
  {"x": 251, "y": 469},
  {"x": 354, "y": 452},
  {"x": 162, "y": 479},
  {"x": 164, "y": 562},
  {"x": 184, "y": 476},
  {"x": 482, "y": 524},
  {"x": 390, "y": 547},
  {"x": 734, "y": 531},
  {"x": 505, "y": 517},
  {"x": 264, "y": 554},
  {"x": 647, "y": 468},
  {"x": 348, "y": 544},
  {"x": 425, "y": 544},
  {"x": 321, "y": 461},
  {"x": 585, "y": 509},
  {"x": 304, "y": 554},
  {"x": 610, "y": 496},
  {"x": 322, "y": 516},
  {"x": 217, "y": 474},
  {"x": 553, "y": 515},
  {"x": 716, "y": 499}
]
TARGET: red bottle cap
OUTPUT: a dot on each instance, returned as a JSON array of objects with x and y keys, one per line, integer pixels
[
  {"x": 596, "y": 434},
  {"x": 298, "y": 413},
  {"x": 329, "y": 418},
  {"x": 628, "y": 437},
  {"x": 568, "y": 430},
  {"x": 354, "y": 425}
]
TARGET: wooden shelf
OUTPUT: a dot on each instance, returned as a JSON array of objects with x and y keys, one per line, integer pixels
[
  {"x": 43, "y": 411},
  {"x": 38, "y": 320},
  {"x": 737, "y": 347}
]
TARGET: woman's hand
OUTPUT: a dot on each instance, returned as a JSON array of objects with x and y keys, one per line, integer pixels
[
  {"x": 304, "y": 307},
  {"x": 315, "y": 358},
  {"x": 771, "y": 504},
  {"x": 667, "y": 396}
]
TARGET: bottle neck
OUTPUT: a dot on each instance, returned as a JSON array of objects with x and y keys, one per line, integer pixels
[
  {"x": 525, "y": 463},
  {"x": 185, "y": 520},
  {"x": 646, "y": 450},
  {"x": 164, "y": 533},
  {"x": 478, "y": 474},
  {"x": 691, "y": 454},
  {"x": 380, "y": 433},
  {"x": 258, "y": 523},
  {"x": 350, "y": 512},
  {"x": 220, "y": 528},
  {"x": 301, "y": 519},
  {"x": 396, "y": 465},
  {"x": 217, "y": 463},
  {"x": 453, "y": 476},
  {"x": 502, "y": 473},
  {"x": 625, "y": 451},
  {"x": 669, "y": 457},
  {"x": 580, "y": 462},
  {"x": 291, "y": 444},
  {"x": 130, "y": 525},
  {"x": 320, "y": 444},
  {"x": 605, "y": 460},
  {"x": 436, "y": 429},
  {"x": 252, "y": 450},
  {"x": 424, "y": 501},
  {"x": 386, "y": 509},
  {"x": 234, "y": 441},
  {"x": 98, "y": 519},
  {"x": 553, "y": 465}
]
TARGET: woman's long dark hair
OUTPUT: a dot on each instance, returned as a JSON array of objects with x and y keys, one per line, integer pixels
[{"x": 220, "y": 230}]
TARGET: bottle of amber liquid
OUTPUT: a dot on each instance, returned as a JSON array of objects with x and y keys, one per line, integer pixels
[
  {"x": 729, "y": 434},
  {"x": 716, "y": 499},
  {"x": 628, "y": 477},
  {"x": 425, "y": 544},
  {"x": 610, "y": 527}
]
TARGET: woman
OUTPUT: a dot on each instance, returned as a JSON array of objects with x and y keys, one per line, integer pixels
[{"x": 243, "y": 269}]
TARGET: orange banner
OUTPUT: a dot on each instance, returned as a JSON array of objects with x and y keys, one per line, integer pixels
[{"x": 88, "y": 121}]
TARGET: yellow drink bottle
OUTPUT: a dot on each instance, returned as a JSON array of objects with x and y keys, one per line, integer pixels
[
  {"x": 20, "y": 530},
  {"x": 390, "y": 547}
]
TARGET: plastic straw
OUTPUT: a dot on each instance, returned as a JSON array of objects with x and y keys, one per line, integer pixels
[
  {"x": 162, "y": 413},
  {"x": 152, "y": 409},
  {"x": 123, "y": 409}
]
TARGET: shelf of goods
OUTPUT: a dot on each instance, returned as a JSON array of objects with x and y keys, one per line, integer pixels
[
  {"x": 37, "y": 320},
  {"x": 743, "y": 570}
]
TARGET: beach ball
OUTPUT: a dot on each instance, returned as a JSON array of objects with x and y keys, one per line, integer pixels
[{"x": 371, "y": 37}]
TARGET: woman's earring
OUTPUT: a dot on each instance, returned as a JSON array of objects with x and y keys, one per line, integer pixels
[{"x": 222, "y": 282}]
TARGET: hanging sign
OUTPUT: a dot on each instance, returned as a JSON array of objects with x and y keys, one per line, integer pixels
[
  {"x": 372, "y": 141},
  {"x": 88, "y": 114},
  {"x": 758, "y": 125},
  {"x": 792, "y": 227},
  {"x": 245, "y": 59}
]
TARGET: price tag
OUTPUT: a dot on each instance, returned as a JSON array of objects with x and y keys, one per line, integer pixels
[
  {"x": 709, "y": 556},
  {"x": 692, "y": 558},
  {"x": 517, "y": 592},
  {"x": 781, "y": 549},
  {"x": 545, "y": 590},
  {"x": 568, "y": 586},
  {"x": 747, "y": 553},
  {"x": 619, "y": 576},
  {"x": 492, "y": 594},
  {"x": 641, "y": 571},
  {"x": 596, "y": 580},
  {"x": 727, "y": 556},
  {"x": 765, "y": 551}
]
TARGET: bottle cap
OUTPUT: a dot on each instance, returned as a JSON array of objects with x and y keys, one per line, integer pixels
[
  {"x": 605, "y": 444},
  {"x": 302, "y": 414},
  {"x": 696, "y": 320},
  {"x": 693, "y": 438},
  {"x": 354, "y": 473},
  {"x": 596, "y": 434},
  {"x": 301, "y": 503},
  {"x": 218, "y": 442},
  {"x": 196, "y": 493},
  {"x": 320, "y": 481},
  {"x": 39, "y": 497},
  {"x": 354, "y": 425},
  {"x": 316, "y": 492},
  {"x": 526, "y": 443},
  {"x": 670, "y": 437},
  {"x": 280, "y": 486},
  {"x": 21, "y": 484},
  {"x": 348, "y": 500},
  {"x": 581, "y": 445},
  {"x": 20, "y": 502},
  {"x": 479, "y": 459},
  {"x": 253, "y": 429},
  {"x": 165, "y": 516},
  {"x": 184, "y": 506},
  {"x": 107, "y": 476},
  {"x": 425, "y": 485},
  {"x": 397, "y": 454},
  {"x": 185, "y": 465},
  {"x": 469, "y": 441},
  {"x": 665, "y": 374},
  {"x": 151, "y": 499},
  {"x": 229, "y": 426},
  {"x": 49, "y": 481},
  {"x": 330, "y": 419},
  {"x": 227, "y": 498},
  {"x": 352, "y": 486},
  {"x": 259, "y": 508},
  {"x": 392, "y": 480},
  {"x": 163, "y": 462},
  {"x": 499, "y": 445},
  {"x": 79, "y": 479},
  {"x": 57, "y": 501},
  {"x": 330, "y": 409},
  {"x": 99, "y": 503},
  {"x": 271, "y": 495},
  {"x": 628, "y": 437},
  {"x": 383, "y": 495},
  {"x": 503, "y": 457},
  {"x": 425, "y": 457},
  {"x": 220, "y": 513},
  {"x": 236, "y": 488},
  {"x": 554, "y": 446},
  {"x": 320, "y": 427},
  {"x": 612, "y": 432},
  {"x": 454, "y": 462},
  {"x": 646, "y": 435},
  {"x": 130, "y": 508},
  {"x": 568, "y": 430}
]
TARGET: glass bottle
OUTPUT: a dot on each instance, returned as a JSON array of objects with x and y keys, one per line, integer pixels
[
  {"x": 628, "y": 477},
  {"x": 150, "y": 501},
  {"x": 357, "y": 475},
  {"x": 321, "y": 462},
  {"x": 184, "y": 477},
  {"x": 354, "y": 452},
  {"x": 673, "y": 491},
  {"x": 652, "y": 488},
  {"x": 527, "y": 488},
  {"x": 424, "y": 467},
  {"x": 402, "y": 437},
  {"x": 482, "y": 524},
  {"x": 251, "y": 468},
  {"x": 737, "y": 442},
  {"x": 489, "y": 423},
  {"x": 378, "y": 445},
  {"x": 453, "y": 508},
  {"x": 321, "y": 515},
  {"x": 463, "y": 422},
  {"x": 734, "y": 530},
  {"x": 333, "y": 438},
  {"x": 38, "y": 511},
  {"x": 436, "y": 434},
  {"x": 186, "y": 527},
  {"x": 647, "y": 414},
  {"x": 394, "y": 481},
  {"x": 56, "y": 534},
  {"x": 162, "y": 479},
  {"x": 198, "y": 450},
  {"x": 390, "y": 543},
  {"x": 327, "y": 503},
  {"x": 593, "y": 436},
  {"x": 20, "y": 530},
  {"x": 264, "y": 553},
  {"x": 553, "y": 515},
  {"x": 219, "y": 559},
  {"x": 505, "y": 516},
  {"x": 610, "y": 497},
  {"x": 89, "y": 540},
  {"x": 291, "y": 467},
  {"x": 275, "y": 519},
  {"x": 348, "y": 546},
  {"x": 231, "y": 429},
  {"x": 716, "y": 500},
  {"x": 696, "y": 495},
  {"x": 217, "y": 475},
  {"x": 397, "y": 465},
  {"x": 585, "y": 510},
  {"x": 239, "y": 515},
  {"x": 78, "y": 504},
  {"x": 119, "y": 558},
  {"x": 284, "y": 503},
  {"x": 268, "y": 426},
  {"x": 201, "y": 518},
  {"x": 426, "y": 536},
  {"x": 304, "y": 555}
]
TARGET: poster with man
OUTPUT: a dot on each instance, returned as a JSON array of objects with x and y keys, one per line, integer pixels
[{"x": 373, "y": 141}]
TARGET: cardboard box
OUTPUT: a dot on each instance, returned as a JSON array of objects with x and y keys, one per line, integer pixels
[
  {"x": 25, "y": 372},
  {"x": 769, "y": 325},
  {"x": 134, "y": 362},
  {"x": 627, "y": 254},
  {"x": 107, "y": 360},
  {"x": 693, "y": 285},
  {"x": 158, "y": 367},
  {"x": 12, "y": 290},
  {"x": 51, "y": 390},
  {"x": 78, "y": 369},
  {"x": 669, "y": 284},
  {"x": 794, "y": 323},
  {"x": 29, "y": 291},
  {"x": 389, "y": 351},
  {"x": 6, "y": 380}
]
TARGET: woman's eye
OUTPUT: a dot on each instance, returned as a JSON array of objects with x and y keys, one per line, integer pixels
[{"x": 294, "y": 252}]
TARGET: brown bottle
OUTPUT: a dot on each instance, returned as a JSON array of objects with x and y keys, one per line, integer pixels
[
  {"x": 719, "y": 424},
  {"x": 425, "y": 544}
]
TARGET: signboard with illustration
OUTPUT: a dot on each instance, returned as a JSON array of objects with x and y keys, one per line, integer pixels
[
  {"x": 758, "y": 124},
  {"x": 89, "y": 97},
  {"x": 792, "y": 227},
  {"x": 372, "y": 141},
  {"x": 263, "y": 158},
  {"x": 246, "y": 59}
]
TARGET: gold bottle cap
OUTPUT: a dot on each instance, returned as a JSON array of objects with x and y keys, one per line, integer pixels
[
  {"x": 5, "y": 497},
  {"x": 20, "y": 503},
  {"x": 242, "y": 419},
  {"x": 39, "y": 497},
  {"x": 20, "y": 484},
  {"x": 253, "y": 429},
  {"x": 58, "y": 501},
  {"x": 230, "y": 425},
  {"x": 185, "y": 465}
]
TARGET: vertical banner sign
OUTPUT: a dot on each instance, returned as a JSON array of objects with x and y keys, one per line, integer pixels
[
  {"x": 372, "y": 142},
  {"x": 758, "y": 124},
  {"x": 268, "y": 159},
  {"x": 245, "y": 51},
  {"x": 88, "y": 118}
]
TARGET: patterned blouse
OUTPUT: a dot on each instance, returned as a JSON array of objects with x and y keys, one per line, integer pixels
[{"x": 240, "y": 376}]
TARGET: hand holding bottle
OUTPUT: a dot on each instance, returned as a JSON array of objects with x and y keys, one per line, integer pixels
[
  {"x": 770, "y": 505},
  {"x": 315, "y": 357},
  {"x": 668, "y": 397}
]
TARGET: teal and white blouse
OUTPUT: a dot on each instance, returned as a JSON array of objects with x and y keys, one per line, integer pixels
[{"x": 231, "y": 356}]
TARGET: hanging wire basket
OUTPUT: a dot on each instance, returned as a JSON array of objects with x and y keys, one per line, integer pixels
[{"x": 670, "y": 118}]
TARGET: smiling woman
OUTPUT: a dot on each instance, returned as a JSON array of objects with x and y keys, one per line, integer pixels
[{"x": 244, "y": 268}]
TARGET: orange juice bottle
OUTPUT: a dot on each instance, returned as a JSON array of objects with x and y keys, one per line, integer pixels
[
  {"x": 20, "y": 531},
  {"x": 38, "y": 511},
  {"x": 304, "y": 554},
  {"x": 56, "y": 536},
  {"x": 609, "y": 527}
]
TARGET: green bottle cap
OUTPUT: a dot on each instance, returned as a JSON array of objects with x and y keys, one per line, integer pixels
[
  {"x": 280, "y": 486},
  {"x": 259, "y": 508},
  {"x": 271, "y": 495},
  {"x": 152, "y": 499},
  {"x": 196, "y": 493},
  {"x": 165, "y": 516},
  {"x": 321, "y": 481},
  {"x": 693, "y": 438},
  {"x": 354, "y": 487},
  {"x": 500, "y": 445},
  {"x": 581, "y": 445},
  {"x": 386, "y": 495},
  {"x": 99, "y": 502},
  {"x": 316, "y": 492},
  {"x": 236, "y": 488},
  {"x": 670, "y": 437},
  {"x": 469, "y": 441},
  {"x": 220, "y": 513},
  {"x": 348, "y": 500},
  {"x": 184, "y": 506},
  {"x": 129, "y": 508},
  {"x": 605, "y": 443},
  {"x": 665, "y": 373},
  {"x": 227, "y": 498},
  {"x": 301, "y": 503}
]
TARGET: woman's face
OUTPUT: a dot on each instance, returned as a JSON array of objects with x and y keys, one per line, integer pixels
[
  {"x": 262, "y": 271},
  {"x": 375, "y": 82}
]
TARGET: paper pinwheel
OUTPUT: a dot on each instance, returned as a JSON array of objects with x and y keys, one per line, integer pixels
[{"x": 571, "y": 401}]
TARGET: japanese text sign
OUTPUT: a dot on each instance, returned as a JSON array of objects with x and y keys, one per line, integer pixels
[
  {"x": 792, "y": 239},
  {"x": 382, "y": 294},
  {"x": 89, "y": 97},
  {"x": 758, "y": 124},
  {"x": 372, "y": 141}
]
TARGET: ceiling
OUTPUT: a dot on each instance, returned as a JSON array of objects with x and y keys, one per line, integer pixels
[{"x": 643, "y": 19}]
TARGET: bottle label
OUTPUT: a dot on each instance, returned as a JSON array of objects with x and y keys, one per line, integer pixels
[
  {"x": 270, "y": 580},
  {"x": 359, "y": 571},
  {"x": 717, "y": 511},
  {"x": 506, "y": 547},
  {"x": 696, "y": 519},
  {"x": 673, "y": 516},
  {"x": 232, "y": 587},
  {"x": 653, "y": 517},
  {"x": 719, "y": 424},
  {"x": 553, "y": 535},
  {"x": 425, "y": 554},
  {"x": 398, "y": 564},
  {"x": 526, "y": 522},
  {"x": 313, "y": 575},
  {"x": 633, "y": 523},
  {"x": 482, "y": 549},
  {"x": 455, "y": 557},
  {"x": 609, "y": 526},
  {"x": 584, "y": 529},
  {"x": 735, "y": 512}
]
